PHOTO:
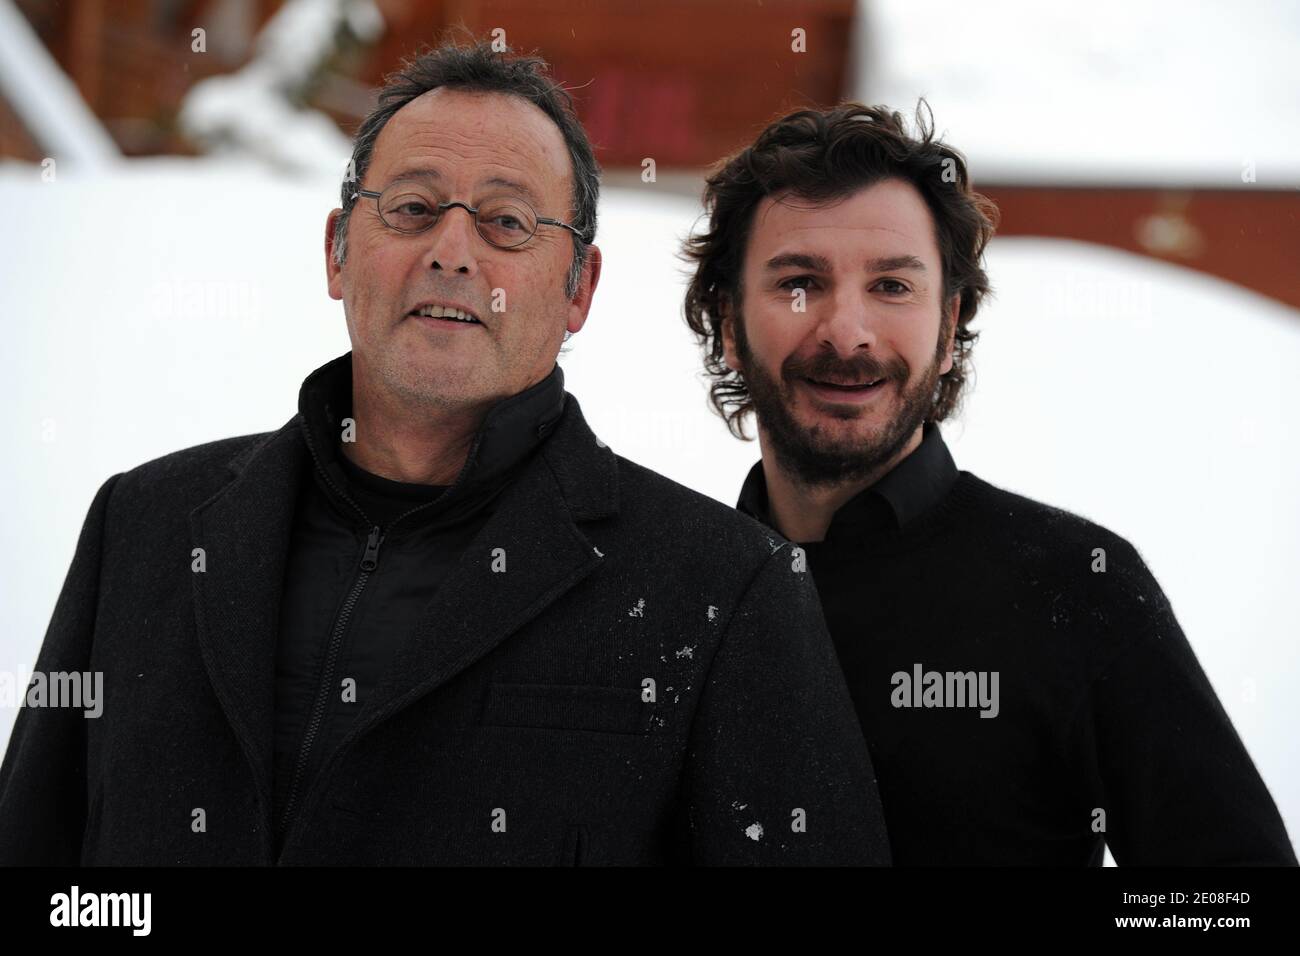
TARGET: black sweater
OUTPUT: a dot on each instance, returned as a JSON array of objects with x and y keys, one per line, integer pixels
[{"x": 1101, "y": 725}]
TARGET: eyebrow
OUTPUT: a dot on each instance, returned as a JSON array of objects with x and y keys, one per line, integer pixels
[
  {"x": 895, "y": 263},
  {"x": 798, "y": 260},
  {"x": 429, "y": 172},
  {"x": 806, "y": 260}
]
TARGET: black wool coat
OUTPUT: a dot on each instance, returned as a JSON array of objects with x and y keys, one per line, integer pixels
[{"x": 649, "y": 681}]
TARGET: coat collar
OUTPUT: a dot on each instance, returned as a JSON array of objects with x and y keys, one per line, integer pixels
[
  {"x": 245, "y": 531},
  {"x": 510, "y": 431}
]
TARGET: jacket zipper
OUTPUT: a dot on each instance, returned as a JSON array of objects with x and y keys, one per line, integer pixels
[{"x": 369, "y": 562}]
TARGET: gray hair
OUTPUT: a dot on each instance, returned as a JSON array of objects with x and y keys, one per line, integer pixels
[{"x": 476, "y": 67}]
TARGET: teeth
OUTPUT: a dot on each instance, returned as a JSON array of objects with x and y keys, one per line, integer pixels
[
  {"x": 851, "y": 384},
  {"x": 441, "y": 312}
]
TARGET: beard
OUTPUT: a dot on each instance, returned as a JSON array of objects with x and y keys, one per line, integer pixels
[{"x": 807, "y": 453}]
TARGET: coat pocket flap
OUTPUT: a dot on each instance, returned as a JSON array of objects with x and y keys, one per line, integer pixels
[{"x": 616, "y": 710}]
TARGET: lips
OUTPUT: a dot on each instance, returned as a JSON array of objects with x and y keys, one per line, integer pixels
[
  {"x": 859, "y": 386},
  {"x": 449, "y": 313}
]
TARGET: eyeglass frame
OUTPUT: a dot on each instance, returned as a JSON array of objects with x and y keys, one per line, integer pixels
[{"x": 473, "y": 212}]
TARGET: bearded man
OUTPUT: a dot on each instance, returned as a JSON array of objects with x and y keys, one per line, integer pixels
[{"x": 1024, "y": 688}]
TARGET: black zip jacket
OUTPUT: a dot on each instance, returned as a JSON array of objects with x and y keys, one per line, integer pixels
[
  {"x": 615, "y": 669},
  {"x": 366, "y": 556}
]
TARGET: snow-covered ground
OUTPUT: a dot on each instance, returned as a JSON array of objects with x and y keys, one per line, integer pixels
[{"x": 171, "y": 302}]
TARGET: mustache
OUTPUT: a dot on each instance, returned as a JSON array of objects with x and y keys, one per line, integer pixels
[{"x": 825, "y": 367}]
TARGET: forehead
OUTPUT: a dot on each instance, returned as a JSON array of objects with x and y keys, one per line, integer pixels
[
  {"x": 468, "y": 137},
  {"x": 886, "y": 218}
]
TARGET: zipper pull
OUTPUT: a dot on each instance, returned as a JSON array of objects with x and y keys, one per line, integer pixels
[{"x": 371, "y": 559}]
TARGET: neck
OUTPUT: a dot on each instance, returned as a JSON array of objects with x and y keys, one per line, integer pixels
[
  {"x": 803, "y": 512},
  {"x": 414, "y": 444}
]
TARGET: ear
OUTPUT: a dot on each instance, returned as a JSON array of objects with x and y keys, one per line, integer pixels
[
  {"x": 333, "y": 272},
  {"x": 949, "y": 327},
  {"x": 726, "y": 320},
  {"x": 581, "y": 303}
]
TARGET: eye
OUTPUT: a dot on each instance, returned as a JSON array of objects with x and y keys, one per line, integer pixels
[
  {"x": 895, "y": 287},
  {"x": 407, "y": 210},
  {"x": 796, "y": 282},
  {"x": 507, "y": 221}
]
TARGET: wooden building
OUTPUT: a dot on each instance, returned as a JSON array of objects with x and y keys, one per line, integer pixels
[{"x": 681, "y": 81}]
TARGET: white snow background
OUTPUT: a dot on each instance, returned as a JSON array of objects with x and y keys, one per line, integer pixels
[
  {"x": 171, "y": 302},
  {"x": 149, "y": 305}
]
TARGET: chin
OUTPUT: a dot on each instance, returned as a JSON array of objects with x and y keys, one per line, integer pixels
[{"x": 856, "y": 419}]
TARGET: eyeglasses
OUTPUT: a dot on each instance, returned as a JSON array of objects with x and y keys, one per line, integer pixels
[{"x": 506, "y": 222}]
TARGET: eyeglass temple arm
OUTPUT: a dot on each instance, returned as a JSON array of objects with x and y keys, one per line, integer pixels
[{"x": 573, "y": 229}]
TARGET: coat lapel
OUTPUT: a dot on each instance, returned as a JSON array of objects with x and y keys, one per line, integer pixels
[{"x": 244, "y": 531}]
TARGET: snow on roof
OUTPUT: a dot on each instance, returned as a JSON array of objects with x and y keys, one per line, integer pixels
[
  {"x": 251, "y": 111},
  {"x": 1169, "y": 92}
]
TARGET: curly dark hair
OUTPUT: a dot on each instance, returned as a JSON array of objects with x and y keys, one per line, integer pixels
[{"x": 822, "y": 155}]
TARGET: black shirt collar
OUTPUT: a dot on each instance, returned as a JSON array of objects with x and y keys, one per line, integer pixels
[
  {"x": 911, "y": 488},
  {"x": 508, "y": 434}
]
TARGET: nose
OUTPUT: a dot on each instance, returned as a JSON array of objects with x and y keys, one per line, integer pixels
[
  {"x": 452, "y": 241},
  {"x": 848, "y": 323}
]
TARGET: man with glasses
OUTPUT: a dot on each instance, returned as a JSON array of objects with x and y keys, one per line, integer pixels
[{"x": 435, "y": 619}]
